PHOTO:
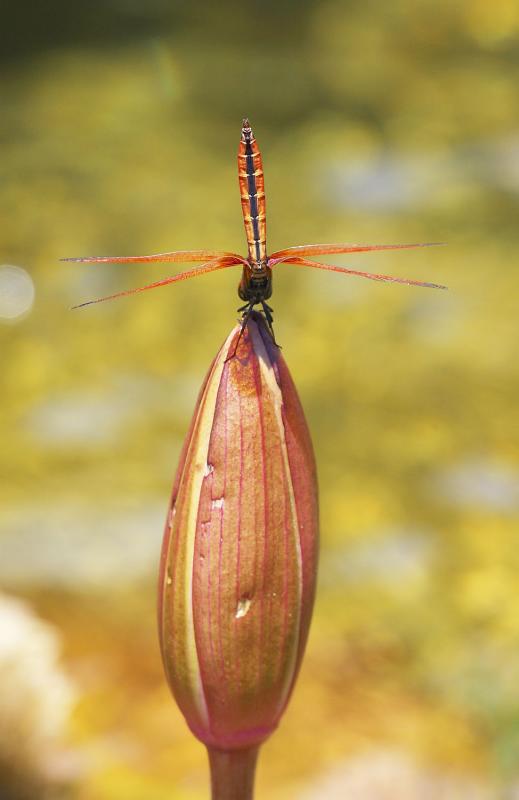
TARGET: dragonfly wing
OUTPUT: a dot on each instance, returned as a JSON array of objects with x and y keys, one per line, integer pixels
[
  {"x": 303, "y": 262},
  {"x": 178, "y": 256},
  {"x": 329, "y": 249},
  {"x": 211, "y": 266}
]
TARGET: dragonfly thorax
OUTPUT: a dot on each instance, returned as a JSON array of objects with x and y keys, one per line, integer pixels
[{"x": 256, "y": 282}]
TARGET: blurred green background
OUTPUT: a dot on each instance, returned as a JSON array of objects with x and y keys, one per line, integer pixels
[{"x": 377, "y": 123}]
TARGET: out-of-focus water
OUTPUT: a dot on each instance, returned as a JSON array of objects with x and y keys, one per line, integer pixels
[{"x": 120, "y": 126}]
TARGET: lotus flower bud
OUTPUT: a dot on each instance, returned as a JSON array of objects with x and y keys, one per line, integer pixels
[{"x": 239, "y": 556}]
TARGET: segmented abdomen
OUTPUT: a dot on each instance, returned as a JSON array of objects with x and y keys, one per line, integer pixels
[{"x": 252, "y": 191}]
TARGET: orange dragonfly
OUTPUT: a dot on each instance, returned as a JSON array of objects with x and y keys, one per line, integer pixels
[{"x": 255, "y": 286}]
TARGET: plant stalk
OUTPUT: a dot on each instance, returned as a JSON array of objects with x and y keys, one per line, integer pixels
[{"x": 232, "y": 773}]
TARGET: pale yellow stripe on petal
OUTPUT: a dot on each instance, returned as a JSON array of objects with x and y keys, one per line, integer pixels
[{"x": 198, "y": 460}]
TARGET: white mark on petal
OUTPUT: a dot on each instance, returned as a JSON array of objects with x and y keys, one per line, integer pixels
[
  {"x": 209, "y": 469},
  {"x": 169, "y": 579},
  {"x": 217, "y": 502},
  {"x": 244, "y": 604}
]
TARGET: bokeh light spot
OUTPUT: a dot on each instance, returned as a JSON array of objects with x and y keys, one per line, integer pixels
[{"x": 16, "y": 293}]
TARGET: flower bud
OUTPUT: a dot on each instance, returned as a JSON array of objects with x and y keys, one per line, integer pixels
[{"x": 239, "y": 557}]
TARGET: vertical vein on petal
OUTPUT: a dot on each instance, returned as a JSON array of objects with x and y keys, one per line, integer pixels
[
  {"x": 225, "y": 389},
  {"x": 269, "y": 377},
  {"x": 256, "y": 370},
  {"x": 286, "y": 554},
  {"x": 210, "y": 610},
  {"x": 235, "y": 658}
]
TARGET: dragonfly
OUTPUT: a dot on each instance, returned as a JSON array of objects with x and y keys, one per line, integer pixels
[{"x": 255, "y": 286}]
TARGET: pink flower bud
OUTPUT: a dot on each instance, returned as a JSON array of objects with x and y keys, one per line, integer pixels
[{"x": 239, "y": 557}]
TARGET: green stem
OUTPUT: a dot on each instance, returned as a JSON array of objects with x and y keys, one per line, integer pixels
[{"x": 232, "y": 773}]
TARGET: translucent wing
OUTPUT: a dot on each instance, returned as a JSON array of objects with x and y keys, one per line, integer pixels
[
  {"x": 178, "y": 256},
  {"x": 211, "y": 266},
  {"x": 329, "y": 249},
  {"x": 303, "y": 262}
]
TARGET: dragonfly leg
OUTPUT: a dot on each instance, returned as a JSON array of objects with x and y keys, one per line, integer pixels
[
  {"x": 247, "y": 310},
  {"x": 268, "y": 311}
]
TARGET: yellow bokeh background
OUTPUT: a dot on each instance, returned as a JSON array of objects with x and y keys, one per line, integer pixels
[{"x": 377, "y": 123}]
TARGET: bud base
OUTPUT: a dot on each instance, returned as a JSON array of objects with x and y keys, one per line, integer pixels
[{"x": 232, "y": 773}]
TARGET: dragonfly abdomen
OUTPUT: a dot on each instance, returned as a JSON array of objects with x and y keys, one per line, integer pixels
[{"x": 252, "y": 191}]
